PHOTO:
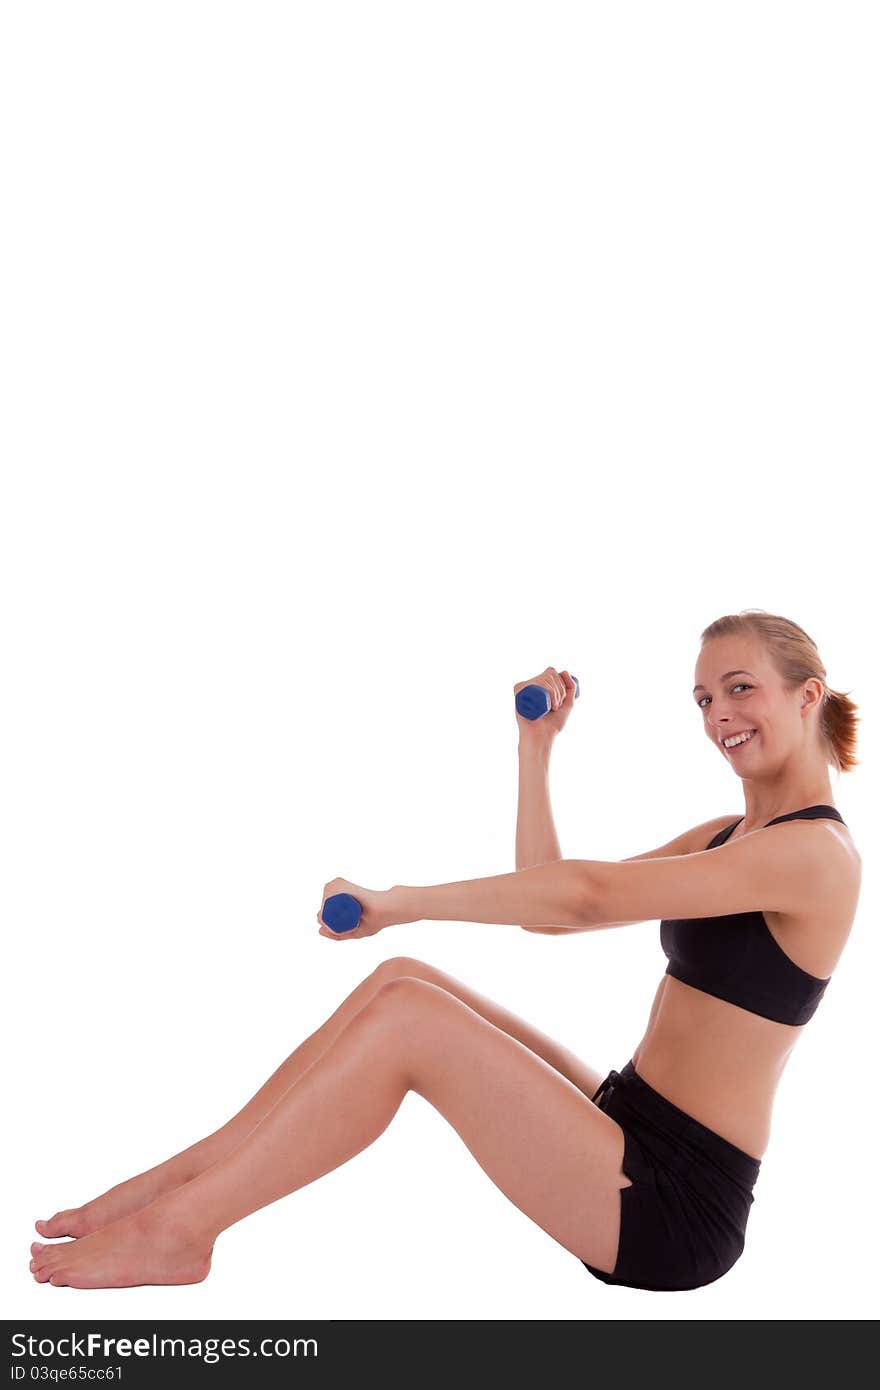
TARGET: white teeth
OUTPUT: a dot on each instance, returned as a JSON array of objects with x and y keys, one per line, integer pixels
[{"x": 738, "y": 738}]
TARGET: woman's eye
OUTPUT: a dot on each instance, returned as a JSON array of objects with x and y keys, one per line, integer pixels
[{"x": 741, "y": 685}]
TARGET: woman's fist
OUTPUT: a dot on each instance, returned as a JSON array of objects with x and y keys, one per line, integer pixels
[
  {"x": 560, "y": 687},
  {"x": 377, "y": 910}
]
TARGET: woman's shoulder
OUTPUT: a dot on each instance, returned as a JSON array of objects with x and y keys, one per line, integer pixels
[{"x": 700, "y": 836}]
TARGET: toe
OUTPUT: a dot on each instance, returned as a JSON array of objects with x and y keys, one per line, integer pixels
[
  {"x": 36, "y": 1247},
  {"x": 51, "y": 1256},
  {"x": 55, "y": 1226}
]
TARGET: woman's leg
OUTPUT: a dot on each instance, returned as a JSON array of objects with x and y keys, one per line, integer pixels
[
  {"x": 538, "y": 1137},
  {"x": 139, "y": 1191}
]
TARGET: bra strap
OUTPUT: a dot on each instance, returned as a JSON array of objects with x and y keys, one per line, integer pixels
[{"x": 810, "y": 813}]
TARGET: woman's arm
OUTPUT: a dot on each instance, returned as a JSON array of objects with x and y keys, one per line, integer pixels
[
  {"x": 536, "y": 838},
  {"x": 784, "y": 868},
  {"x": 787, "y": 868},
  {"x": 556, "y": 892}
]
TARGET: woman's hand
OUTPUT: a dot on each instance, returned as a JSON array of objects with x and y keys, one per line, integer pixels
[
  {"x": 377, "y": 910},
  {"x": 561, "y": 687}
]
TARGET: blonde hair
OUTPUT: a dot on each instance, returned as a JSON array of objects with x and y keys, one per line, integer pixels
[{"x": 796, "y": 658}]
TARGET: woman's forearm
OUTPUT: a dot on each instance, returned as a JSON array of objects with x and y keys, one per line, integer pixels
[
  {"x": 556, "y": 893},
  {"x": 536, "y": 839}
]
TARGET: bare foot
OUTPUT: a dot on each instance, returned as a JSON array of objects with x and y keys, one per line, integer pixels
[
  {"x": 122, "y": 1200},
  {"x": 151, "y": 1246}
]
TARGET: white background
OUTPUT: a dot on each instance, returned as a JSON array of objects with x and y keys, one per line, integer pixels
[{"x": 360, "y": 361}]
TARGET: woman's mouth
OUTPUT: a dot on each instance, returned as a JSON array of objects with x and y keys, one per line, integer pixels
[{"x": 743, "y": 743}]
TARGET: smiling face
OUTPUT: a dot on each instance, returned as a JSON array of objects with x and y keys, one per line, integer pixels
[{"x": 740, "y": 692}]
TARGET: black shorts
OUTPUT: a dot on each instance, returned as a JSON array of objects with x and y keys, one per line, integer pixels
[{"x": 683, "y": 1220}]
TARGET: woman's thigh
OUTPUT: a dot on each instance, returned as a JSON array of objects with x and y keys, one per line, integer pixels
[
  {"x": 585, "y": 1077},
  {"x": 540, "y": 1139}
]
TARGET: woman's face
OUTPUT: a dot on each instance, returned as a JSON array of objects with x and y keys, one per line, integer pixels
[{"x": 739, "y": 692}]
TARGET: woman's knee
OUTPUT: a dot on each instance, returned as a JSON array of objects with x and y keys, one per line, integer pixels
[
  {"x": 400, "y": 998},
  {"x": 385, "y": 973},
  {"x": 398, "y": 967}
]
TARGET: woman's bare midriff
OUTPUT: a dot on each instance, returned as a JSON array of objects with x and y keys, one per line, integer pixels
[
  {"x": 728, "y": 1081},
  {"x": 722, "y": 1064}
]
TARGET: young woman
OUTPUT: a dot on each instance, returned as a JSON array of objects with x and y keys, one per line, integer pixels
[{"x": 647, "y": 1175}]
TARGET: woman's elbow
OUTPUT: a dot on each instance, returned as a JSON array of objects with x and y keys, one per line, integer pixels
[{"x": 549, "y": 931}]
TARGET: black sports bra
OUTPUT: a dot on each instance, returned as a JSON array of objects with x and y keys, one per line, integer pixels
[{"x": 737, "y": 957}]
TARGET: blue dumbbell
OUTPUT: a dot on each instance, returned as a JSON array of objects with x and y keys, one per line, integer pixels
[
  {"x": 533, "y": 701},
  {"x": 341, "y": 912}
]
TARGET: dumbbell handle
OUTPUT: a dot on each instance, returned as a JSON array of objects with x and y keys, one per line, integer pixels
[
  {"x": 533, "y": 701},
  {"x": 341, "y": 912}
]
